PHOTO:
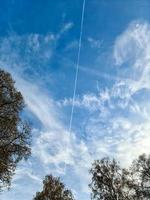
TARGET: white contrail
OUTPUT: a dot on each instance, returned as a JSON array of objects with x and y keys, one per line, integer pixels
[{"x": 77, "y": 67}]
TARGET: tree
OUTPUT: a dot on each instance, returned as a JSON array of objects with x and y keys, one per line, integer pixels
[
  {"x": 14, "y": 132},
  {"x": 53, "y": 189},
  {"x": 110, "y": 182},
  {"x": 141, "y": 171}
]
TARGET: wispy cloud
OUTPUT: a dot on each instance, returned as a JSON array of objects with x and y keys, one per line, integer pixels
[
  {"x": 65, "y": 28},
  {"x": 95, "y": 43},
  {"x": 54, "y": 150},
  {"x": 118, "y": 117}
]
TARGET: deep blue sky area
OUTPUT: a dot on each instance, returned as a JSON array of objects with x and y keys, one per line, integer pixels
[
  {"x": 28, "y": 16},
  {"x": 39, "y": 41}
]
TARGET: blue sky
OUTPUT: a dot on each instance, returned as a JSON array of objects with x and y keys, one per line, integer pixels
[{"x": 38, "y": 46}]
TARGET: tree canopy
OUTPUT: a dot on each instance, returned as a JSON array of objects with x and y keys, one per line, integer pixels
[
  {"x": 53, "y": 189},
  {"x": 14, "y": 132},
  {"x": 111, "y": 182},
  {"x": 140, "y": 169}
]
